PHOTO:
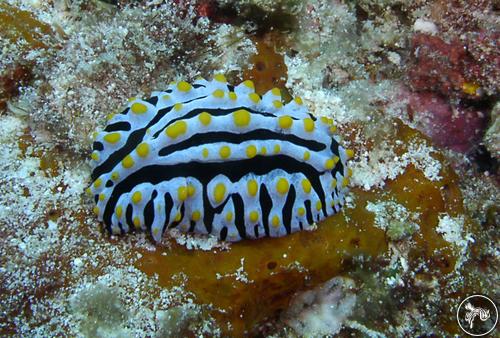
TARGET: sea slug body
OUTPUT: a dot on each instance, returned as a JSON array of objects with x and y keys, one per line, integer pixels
[{"x": 217, "y": 159}]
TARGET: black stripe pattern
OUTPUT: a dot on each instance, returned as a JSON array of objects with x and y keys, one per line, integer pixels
[{"x": 215, "y": 159}]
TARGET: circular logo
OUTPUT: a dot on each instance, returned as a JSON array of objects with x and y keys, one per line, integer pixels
[{"x": 477, "y": 315}]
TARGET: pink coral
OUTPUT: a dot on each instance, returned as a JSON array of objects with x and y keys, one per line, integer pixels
[
  {"x": 465, "y": 68},
  {"x": 450, "y": 81},
  {"x": 483, "y": 46},
  {"x": 454, "y": 126},
  {"x": 443, "y": 67}
]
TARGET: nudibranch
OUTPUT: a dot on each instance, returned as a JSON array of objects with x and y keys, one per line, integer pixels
[{"x": 213, "y": 158}]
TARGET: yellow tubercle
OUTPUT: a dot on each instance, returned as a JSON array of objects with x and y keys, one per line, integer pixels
[
  {"x": 326, "y": 120},
  {"x": 220, "y": 78},
  {"x": 177, "y": 217},
  {"x": 95, "y": 156},
  {"x": 115, "y": 175},
  {"x": 97, "y": 183},
  {"x": 241, "y": 118},
  {"x": 334, "y": 183},
  {"x": 249, "y": 84},
  {"x": 119, "y": 211},
  {"x": 138, "y": 108},
  {"x": 218, "y": 93},
  {"x": 306, "y": 185},
  {"x": 251, "y": 151},
  {"x": 232, "y": 96},
  {"x": 128, "y": 162},
  {"x": 184, "y": 86},
  {"x": 285, "y": 122},
  {"x": 301, "y": 211},
  {"x": 225, "y": 152},
  {"x": 205, "y": 118},
  {"x": 275, "y": 221},
  {"x": 277, "y": 148},
  {"x": 191, "y": 190},
  {"x": 319, "y": 205},
  {"x": 329, "y": 164},
  {"x": 308, "y": 125},
  {"x": 176, "y": 129},
  {"x": 219, "y": 192},
  {"x": 137, "y": 222},
  {"x": 253, "y": 216},
  {"x": 196, "y": 215},
  {"x": 142, "y": 149},
  {"x": 136, "y": 197},
  {"x": 282, "y": 186},
  {"x": 277, "y": 104},
  {"x": 182, "y": 193},
  {"x": 255, "y": 98},
  {"x": 252, "y": 187}
]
